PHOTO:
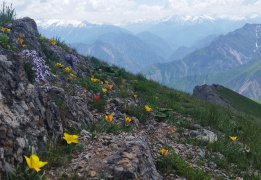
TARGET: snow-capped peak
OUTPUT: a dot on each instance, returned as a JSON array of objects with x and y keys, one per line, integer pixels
[{"x": 45, "y": 23}]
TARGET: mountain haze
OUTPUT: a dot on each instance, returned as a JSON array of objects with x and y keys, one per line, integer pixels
[{"x": 225, "y": 53}]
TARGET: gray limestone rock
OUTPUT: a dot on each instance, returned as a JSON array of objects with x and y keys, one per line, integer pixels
[{"x": 207, "y": 92}]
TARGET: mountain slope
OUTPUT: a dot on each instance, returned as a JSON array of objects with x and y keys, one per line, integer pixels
[
  {"x": 245, "y": 80},
  {"x": 106, "y": 52},
  {"x": 114, "y": 134},
  {"x": 158, "y": 44},
  {"x": 124, "y": 50},
  {"x": 182, "y": 51},
  {"x": 224, "y": 53}
]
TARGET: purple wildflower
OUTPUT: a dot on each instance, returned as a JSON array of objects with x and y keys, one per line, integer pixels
[
  {"x": 38, "y": 63},
  {"x": 72, "y": 58},
  {"x": 45, "y": 88}
]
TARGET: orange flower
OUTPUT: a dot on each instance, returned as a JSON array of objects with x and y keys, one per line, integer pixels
[
  {"x": 123, "y": 80},
  {"x": 100, "y": 70},
  {"x": 41, "y": 38},
  {"x": 107, "y": 82},
  {"x": 164, "y": 152},
  {"x": 110, "y": 86},
  {"x": 172, "y": 131},
  {"x": 20, "y": 40},
  {"x": 127, "y": 119},
  {"x": 101, "y": 82},
  {"x": 104, "y": 90},
  {"x": 59, "y": 65},
  {"x": 147, "y": 108},
  {"x": 52, "y": 42},
  {"x": 94, "y": 80},
  {"x": 156, "y": 97},
  {"x": 5, "y": 29},
  {"x": 135, "y": 96},
  {"x": 109, "y": 118}
]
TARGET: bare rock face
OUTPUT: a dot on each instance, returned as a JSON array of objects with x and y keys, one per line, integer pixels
[
  {"x": 207, "y": 92},
  {"x": 29, "y": 115},
  {"x": 124, "y": 156}
]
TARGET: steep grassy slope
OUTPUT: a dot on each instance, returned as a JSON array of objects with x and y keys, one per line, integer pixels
[
  {"x": 257, "y": 101},
  {"x": 241, "y": 103}
]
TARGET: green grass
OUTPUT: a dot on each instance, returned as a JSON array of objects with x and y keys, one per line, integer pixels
[
  {"x": 241, "y": 103},
  {"x": 168, "y": 163},
  {"x": 259, "y": 102},
  {"x": 5, "y": 42}
]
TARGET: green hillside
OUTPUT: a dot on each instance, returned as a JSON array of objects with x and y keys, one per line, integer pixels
[
  {"x": 259, "y": 102},
  {"x": 233, "y": 79},
  {"x": 241, "y": 103}
]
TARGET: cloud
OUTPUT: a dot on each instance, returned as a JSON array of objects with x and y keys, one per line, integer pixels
[
  {"x": 115, "y": 11},
  {"x": 213, "y": 7}
]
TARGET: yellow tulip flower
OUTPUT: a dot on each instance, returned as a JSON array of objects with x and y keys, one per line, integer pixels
[
  {"x": 147, "y": 108},
  {"x": 34, "y": 163},
  {"x": 67, "y": 69},
  {"x": 70, "y": 138},
  {"x": 109, "y": 118},
  {"x": 72, "y": 75},
  {"x": 127, "y": 119},
  {"x": 110, "y": 86},
  {"x": 233, "y": 138},
  {"x": 104, "y": 89},
  {"x": 164, "y": 152}
]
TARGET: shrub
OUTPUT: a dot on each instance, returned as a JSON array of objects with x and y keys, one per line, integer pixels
[{"x": 7, "y": 14}]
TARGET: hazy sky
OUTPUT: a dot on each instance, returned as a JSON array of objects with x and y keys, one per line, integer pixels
[{"x": 116, "y": 11}]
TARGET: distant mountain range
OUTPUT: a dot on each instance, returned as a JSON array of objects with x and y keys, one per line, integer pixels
[
  {"x": 179, "y": 51},
  {"x": 135, "y": 46},
  {"x": 187, "y": 30},
  {"x": 232, "y": 60},
  {"x": 74, "y": 31}
]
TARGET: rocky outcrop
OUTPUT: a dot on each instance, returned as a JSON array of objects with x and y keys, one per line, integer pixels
[
  {"x": 30, "y": 115},
  {"x": 35, "y": 113},
  {"x": 125, "y": 156},
  {"x": 207, "y": 92}
]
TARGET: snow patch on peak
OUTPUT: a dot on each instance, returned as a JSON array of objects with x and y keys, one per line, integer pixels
[{"x": 45, "y": 23}]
